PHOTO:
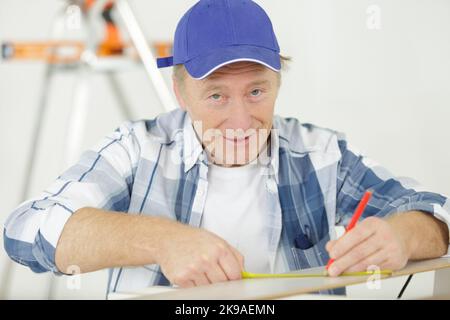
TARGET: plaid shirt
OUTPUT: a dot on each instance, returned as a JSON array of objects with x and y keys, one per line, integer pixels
[{"x": 314, "y": 181}]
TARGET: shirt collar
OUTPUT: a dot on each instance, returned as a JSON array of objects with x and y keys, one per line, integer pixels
[
  {"x": 270, "y": 158},
  {"x": 274, "y": 151},
  {"x": 193, "y": 149}
]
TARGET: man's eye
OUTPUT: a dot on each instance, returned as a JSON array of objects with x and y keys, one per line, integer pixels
[
  {"x": 216, "y": 97},
  {"x": 256, "y": 92}
]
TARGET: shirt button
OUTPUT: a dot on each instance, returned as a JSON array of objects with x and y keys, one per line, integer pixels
[
  {"x": 271, "y": 185},
  {"x": 200, "y": 192}
]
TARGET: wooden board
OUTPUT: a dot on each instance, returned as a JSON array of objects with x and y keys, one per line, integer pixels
[{"x": 283, "y": 287}]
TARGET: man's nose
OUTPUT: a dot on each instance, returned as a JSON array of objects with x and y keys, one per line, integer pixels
[{"x": 239, "y": 117}]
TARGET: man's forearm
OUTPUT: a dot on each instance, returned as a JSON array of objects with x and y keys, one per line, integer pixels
[
  {"x": 424, "y": 235},
  {"x": 95, "y": 239}
]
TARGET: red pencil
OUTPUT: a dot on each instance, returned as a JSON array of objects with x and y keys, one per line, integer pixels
[{"x": 358, "y": 212}]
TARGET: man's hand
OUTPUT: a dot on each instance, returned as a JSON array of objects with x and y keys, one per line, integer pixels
[
  {"x": 188, "y": 256},
  {"x": 194, "y": 257},
  {"x": 374, "y": 241}
]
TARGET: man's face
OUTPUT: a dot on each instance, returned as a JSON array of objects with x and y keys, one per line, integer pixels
[{"x": 232, "y": 110}]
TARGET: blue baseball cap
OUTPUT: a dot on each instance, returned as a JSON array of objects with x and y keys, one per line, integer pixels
[{"x": 214, "y": 33}]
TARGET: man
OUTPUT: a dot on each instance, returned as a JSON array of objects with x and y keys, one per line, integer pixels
[{"x": 199, "y": 194}]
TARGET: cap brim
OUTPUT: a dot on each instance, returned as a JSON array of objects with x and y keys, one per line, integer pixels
[{"x": 202, "y": 66}]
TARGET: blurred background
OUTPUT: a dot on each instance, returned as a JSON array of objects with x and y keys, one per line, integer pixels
[{"x": 378, "y": 70}]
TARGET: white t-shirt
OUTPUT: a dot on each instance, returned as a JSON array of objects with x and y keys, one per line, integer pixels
[{"x": 236, "y": 209}]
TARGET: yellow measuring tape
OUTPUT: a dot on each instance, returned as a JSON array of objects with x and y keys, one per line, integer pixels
[{"x": 249, "y": 275}]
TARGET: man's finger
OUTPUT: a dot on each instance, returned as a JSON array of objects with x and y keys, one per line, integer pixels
[
  {"x": 378, "y": 259},
  {"x": 239, "y": 257},
  {"x": 351, "y": 239},
  {"x": 231, "y": 266},
  {"x": 216, "y": 274},
  {"x": 187, "y": 284},
  {"x": 200, "y": 279},
  {"x": 357, "y": 254},
  {"x": 330, "y": 244}
]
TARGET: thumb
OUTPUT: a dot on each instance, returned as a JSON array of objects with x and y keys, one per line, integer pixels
[
  {"x": 330, "y": 244},
  {"x": 239, "y": 257}
]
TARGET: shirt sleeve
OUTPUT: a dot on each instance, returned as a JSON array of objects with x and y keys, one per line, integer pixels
[
  {"x": 102, "y": 178},
  {"x": 357, "y": 174}
]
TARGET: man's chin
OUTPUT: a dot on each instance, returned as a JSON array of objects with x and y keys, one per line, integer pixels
[{"x": 239, "y": 157}]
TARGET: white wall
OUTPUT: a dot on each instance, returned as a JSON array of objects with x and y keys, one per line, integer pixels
[{"x": 388, "y": 89}]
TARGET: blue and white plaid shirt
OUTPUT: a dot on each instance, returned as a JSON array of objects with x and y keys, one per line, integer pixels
[{"x": 314, "y": 181}]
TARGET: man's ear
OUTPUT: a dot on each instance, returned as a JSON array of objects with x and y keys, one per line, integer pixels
[{"x": 178, "y": 95}]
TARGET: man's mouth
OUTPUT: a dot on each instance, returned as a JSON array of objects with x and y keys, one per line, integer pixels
[{"x": 238, "y": 139}]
